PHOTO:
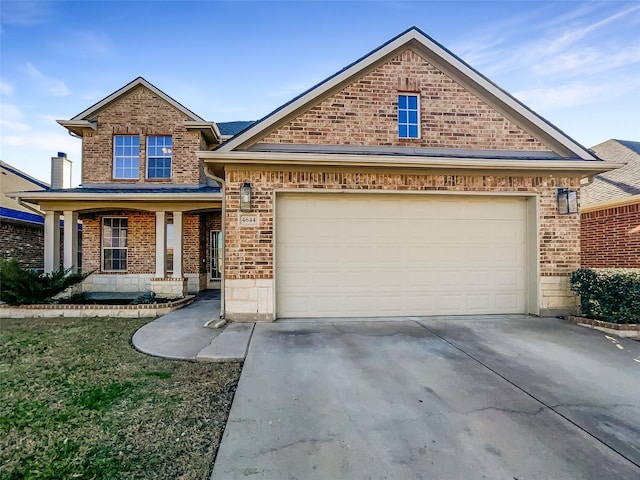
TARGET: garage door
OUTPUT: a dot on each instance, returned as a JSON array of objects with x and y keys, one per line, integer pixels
[{"x": 373, "y": 255}]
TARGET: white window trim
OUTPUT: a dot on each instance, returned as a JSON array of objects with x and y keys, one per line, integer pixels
[
  {"x": 102, "y": 247},
  {"x": 410, "y": 94},
  {"x": 113, "y": 173},
  {"x": 147, "y": 158}
]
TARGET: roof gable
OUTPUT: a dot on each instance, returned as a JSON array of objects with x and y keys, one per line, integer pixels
[
  {"x": 445, "y": 62},
  {"x": 90, "y": 113}
]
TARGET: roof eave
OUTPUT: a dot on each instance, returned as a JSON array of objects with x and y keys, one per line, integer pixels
[
  {"x": 209, "y": 130},
  {"x": 77, "y": 127},
  {"x": 36, "y": 197},
  {"x": 217, "y": 160}
]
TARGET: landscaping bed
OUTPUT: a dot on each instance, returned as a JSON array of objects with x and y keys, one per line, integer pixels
[{"x": 77, "y": 401}]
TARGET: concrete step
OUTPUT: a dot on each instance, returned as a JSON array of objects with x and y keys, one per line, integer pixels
[{"x": 230, "y": 346}]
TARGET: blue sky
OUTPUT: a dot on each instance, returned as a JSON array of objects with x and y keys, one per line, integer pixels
[{"x": 575, "y": 63}]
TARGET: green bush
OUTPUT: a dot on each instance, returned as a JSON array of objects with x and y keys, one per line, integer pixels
[
  {"x": 24, "y": 286},
  {"x": 608, "y": 294}
]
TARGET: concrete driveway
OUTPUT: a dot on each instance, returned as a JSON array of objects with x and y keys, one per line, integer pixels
[{"x": 499, "y": 397}]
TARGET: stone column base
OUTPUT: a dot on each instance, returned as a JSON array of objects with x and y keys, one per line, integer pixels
[
  {"x": 169, "y": 287},
  {"x": 249, "y": 300}
]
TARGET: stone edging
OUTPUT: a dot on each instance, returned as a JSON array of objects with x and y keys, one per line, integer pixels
[
  {"x": 628, "y": 330},
  {"x": 87, "y": 311}
]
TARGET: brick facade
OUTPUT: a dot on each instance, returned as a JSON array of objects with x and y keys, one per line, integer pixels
[
  {"x": 141, "y": 112},
  {"x": 249, "y": 250},
  {"x": 24, "y": 242},
  {"x": 142, "y": 242},
  {"x": 365, "y": 113},
  {"x": 610, "y": 237}
]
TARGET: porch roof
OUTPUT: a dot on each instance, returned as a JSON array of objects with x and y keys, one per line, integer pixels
[{"x": 170, "y": 198}]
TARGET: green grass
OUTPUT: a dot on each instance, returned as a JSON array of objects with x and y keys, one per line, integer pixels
[{"x": 78, "y": 402}]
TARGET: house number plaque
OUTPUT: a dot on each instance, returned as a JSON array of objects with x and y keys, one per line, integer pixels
[{"x": 249, "y": 220}]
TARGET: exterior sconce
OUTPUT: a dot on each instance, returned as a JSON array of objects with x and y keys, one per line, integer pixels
[
  {"x": 567, "y": 201},
  {"x": 245, "y": 197}
]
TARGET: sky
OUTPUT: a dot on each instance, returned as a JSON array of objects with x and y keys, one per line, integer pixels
[{"x": 576, "y": 63}]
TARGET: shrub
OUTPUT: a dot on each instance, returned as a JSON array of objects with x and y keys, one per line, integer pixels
[
  {"x": 24, "y": 286},
  {"x": 608, "y": 294}
]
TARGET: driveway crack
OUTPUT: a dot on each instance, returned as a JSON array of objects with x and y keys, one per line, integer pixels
[{"x": 540, "y": 401}]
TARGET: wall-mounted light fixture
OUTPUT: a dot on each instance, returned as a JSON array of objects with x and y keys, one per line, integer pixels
[
  {"x": 245, "y": 197},
  {"x": 567, "y": 201}
]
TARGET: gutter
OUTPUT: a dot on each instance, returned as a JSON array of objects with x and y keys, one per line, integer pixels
[
  {"x": 222, "y": 184},
  {"x": 585, "y": 167}
]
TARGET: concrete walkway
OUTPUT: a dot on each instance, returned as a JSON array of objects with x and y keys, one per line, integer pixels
[
  {"x": 434, "y": 398},
  {"x": 181, "y": 335}
]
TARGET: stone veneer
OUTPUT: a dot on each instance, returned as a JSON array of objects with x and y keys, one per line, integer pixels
[{"x": 249, "y": 267}]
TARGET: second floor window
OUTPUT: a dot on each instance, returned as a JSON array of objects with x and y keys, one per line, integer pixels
[
  {"x": 126, "y": 156},
  {"x": 159, "y": 157},
  {"x": 408, "y": 124}
]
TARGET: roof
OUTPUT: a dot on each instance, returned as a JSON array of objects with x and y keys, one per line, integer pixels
[
  {"x": 617, "y": 184},
  {"x": 20, "y": 216},
  {"x": 87, "y": 118},
  {"x": 121, "y": 195},
  {"x": 233, "y": 128},
  {"x": 90, "y": 112},
  {"x": 442, "y": 59}
]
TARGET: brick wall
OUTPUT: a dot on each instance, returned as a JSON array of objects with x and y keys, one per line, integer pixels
[
  {"x": 141, "y": 256},
  {"x": 24, "y": 242},
  {"x": 249, "y": 250},
  {"x": 141, "y": 112},
  {"x": 607, "y": 237},
  {"x": 365, "y": 113}
]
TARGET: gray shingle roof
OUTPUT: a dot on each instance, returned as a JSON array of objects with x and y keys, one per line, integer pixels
[
  {"x": 616, "y": 184},
  {"x": 232, "y": 128}
]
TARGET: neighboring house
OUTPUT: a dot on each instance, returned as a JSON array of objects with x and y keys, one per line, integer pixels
[
  {"x": 405, "y": 184},
  {"x": 610, "y": 210},
  {"x": 21, "y": 226}
]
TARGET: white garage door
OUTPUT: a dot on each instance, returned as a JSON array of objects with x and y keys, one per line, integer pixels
[{"x": 374, "y": 255}]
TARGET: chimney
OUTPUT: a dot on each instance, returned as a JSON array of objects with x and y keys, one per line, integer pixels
[{"x": 60, "y": 171}]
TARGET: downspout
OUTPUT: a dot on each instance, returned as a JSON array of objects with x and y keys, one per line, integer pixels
[
  {"x": 223, "y": 214},
  {"x": 29, "y": 207}
]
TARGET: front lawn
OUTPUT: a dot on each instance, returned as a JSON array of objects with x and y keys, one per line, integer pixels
[{"x": 78, "y": 402}]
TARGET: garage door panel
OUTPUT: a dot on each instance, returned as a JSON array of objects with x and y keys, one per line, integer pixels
[{"x": 387, "y": 255}]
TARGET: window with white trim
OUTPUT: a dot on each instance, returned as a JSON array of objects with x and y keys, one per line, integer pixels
[
  {"x": 159, "y": 149},
  {"x": 408, "y": 115},
  {"x": 126, "y": 156},
  {"x": 115, "y": 233}
]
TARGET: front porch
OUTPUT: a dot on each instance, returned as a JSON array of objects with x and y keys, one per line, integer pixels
[{"x": 165, "y": 240}]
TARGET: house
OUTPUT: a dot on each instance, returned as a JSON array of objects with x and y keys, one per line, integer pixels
[
  {"x": 610, "y": 210},
  {"x": 21, "y": 226},
  {"x": 405, "y": 184}
]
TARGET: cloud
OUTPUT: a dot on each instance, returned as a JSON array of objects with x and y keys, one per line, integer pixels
[
  {"x": 45, "y": 141},
  {"x": 84, "y": 44},
  {"x": 11, "y": 118},
  {"x": 573, "y": 94},
  {"x": 52, "y": 86},
  {"x": 5, "y": 88},
  {"x": 25, "y": 13}
]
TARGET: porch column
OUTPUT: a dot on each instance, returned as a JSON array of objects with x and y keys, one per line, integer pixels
[
  {"x": 51, "y": 241},
  {"x": 177, "y": 245},
  {"x": 70, "y": 257},
  {"x": 161, "y": 245}
]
